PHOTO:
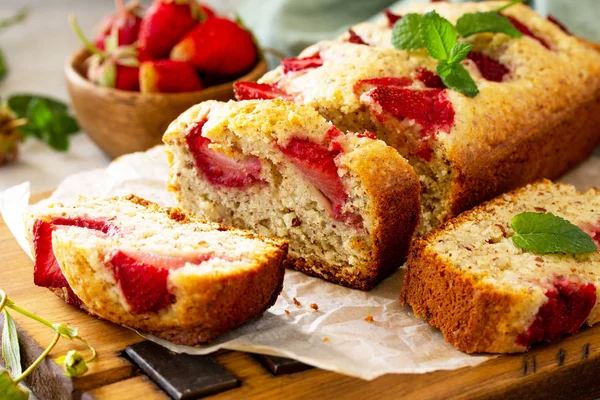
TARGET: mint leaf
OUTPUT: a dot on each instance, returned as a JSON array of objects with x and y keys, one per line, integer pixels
[
  {"x": 9, "y": 390},
  {"x": 19, "y": 103},
  {"x": 439, "y": 34},
  {"x": 407, "y": 33},
  {"x": 38, "y": 113},
  {"x": 456, "y": 77},
  {"x": 11, "y": 351},
  {"x": 470, "y": 24},
  {"x": 459, "y": 52},
  {"x": 548, "y": 233}
]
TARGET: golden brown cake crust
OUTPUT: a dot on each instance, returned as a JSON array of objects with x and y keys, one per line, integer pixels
[
  {"x": 206, "y": 305},
  {"x": 546, "y": 151}
]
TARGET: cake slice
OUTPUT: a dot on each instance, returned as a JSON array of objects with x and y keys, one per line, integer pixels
[
  {"x": 536, "y": 93},
  {"x": 155, "y": 269},
  {"x": 347, "y": 203},
  {"x": 470, "y": 279}
]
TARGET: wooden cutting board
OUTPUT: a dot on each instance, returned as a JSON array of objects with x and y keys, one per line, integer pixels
[{"x": 568, "y": 369}]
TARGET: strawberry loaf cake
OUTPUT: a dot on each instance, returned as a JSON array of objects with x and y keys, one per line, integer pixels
[
  {"x": 155, "y": 269},
  {"x": 536, "y": 114},
  {"x": 486, "y": 294},
  {"x": 347, "y": 203}
]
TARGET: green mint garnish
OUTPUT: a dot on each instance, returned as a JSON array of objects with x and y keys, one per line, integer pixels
[
  {"x": 440, "y": 38},
  {"x": 47, "y": 119},
  {"x": 548, "y": 233}
]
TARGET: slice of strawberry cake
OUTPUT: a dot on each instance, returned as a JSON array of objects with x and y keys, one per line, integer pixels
[
  {"x": 347, "y": 203},
  {"x": 155, "y": 269},
  {"x": 535, "y": 116},
  {"x": 520, "y": 269}
]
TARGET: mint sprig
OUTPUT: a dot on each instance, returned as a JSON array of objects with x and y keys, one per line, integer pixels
[
  {"x": 436, "y": 34},
  {"x": 548, "y": 233}
]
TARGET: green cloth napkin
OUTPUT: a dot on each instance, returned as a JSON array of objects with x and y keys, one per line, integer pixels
[{"x": 291, "y": 25}]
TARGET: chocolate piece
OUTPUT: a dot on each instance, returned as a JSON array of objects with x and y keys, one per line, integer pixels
[
  {"x": 281, "y": 365},
  {"x": 182, "y": 376}
]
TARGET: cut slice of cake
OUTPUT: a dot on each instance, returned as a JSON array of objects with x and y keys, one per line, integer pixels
[
  {"x": 347, "y": 203},
  {"x": 155, "y": 269},
  {"x": 536, "y": 93},
  {"x": 470, "y": 279}
]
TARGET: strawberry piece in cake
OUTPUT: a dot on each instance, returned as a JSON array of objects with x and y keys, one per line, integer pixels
[
  {"x": 300, "y": 64},
  {"x": 490, "y": 69},
  {"x": 257, "y": 91},
  {"x": 155, "y": 269},
  {"x": 471, "y": 280},
  {"x": 346, "y": 221}
]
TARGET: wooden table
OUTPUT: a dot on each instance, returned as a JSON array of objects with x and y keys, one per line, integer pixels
[{"x": 569, "y": 369}]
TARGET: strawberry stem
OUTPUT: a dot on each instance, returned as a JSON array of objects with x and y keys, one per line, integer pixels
[
  {"x": 39, "y": 359},
  {"x": 88, "y": 45}
]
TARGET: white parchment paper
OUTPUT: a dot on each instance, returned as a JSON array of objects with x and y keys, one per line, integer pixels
[{"x": 337, "y": 336}]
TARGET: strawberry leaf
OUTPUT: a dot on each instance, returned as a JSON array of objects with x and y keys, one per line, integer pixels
[
  {"x": 407, "y": 33},
  {"x": 10, "y": 346},
  {"x": 548, "y": 233},
  {"x": 470, "y": 24},
  {"x": 9, "y": 389},
  {"x": 456, "y": 77},
  {"x": 439, "y": 34}
]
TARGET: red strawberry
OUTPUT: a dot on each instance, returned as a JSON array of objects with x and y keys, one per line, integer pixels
[
  {"x": 391, "y": 17},
  {"x": 165, "y": 23},
  {"x": 354, "y": 38},
  {"x": 166, "y": 76},
  {"x": 218, "y": 46},
  {"x": 430, "y": 108},
  {"x": 125, "y": 21},
  {"x": 317, "y": 165},
  {"x": 527, "y": 32},
  {"x": 430, "y": 79},
  {"x": 365, "y": 84},
  {"x": 558, "y": 23},
  {"x": 115, "y": 67},
  {"x": 489, "y": 68},
  {"x": 258, "y": 91},
  {"x": 299, "y": 64},
  {"x": 144, "y": 286},
  {"x": 218, "y": 168},
  {"x": 46, "y": 271},
  {"x": 208, "y": 12}
]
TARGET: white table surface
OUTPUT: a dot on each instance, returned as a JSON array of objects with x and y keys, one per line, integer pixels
[{"x": 36, "y": 51}]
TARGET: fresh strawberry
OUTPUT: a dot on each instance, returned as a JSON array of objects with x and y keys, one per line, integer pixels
[
  {"x": 166, "y": 76},
  {"x": 365, "y": 84},
  {"x": 429, "y": 79},
  {"x": 116, "y": 66},
  {"x": 218, "y": 46},
  {"x": 218, "y": 168},
  {"x": 527, "y": 32},
  {"x": 391, "y": 17},
  {"x": 165, "y": 23},
  {"x": 558, "y": 23},
  {"x": 144, "y": 286},
  {"x": 299, "y": 64},
  {"x": 354, "y": 38},
  {"x": 208, "y": 12},
  {"x": 429, "y": 108},
  {"x": 126, "y": 21},
  {"x": 317, "y": 164},
  {"x": 258, "y": 91},
  {"x": 490, "y": 69}
]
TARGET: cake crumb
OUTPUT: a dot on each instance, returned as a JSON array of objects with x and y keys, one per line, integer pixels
[
  {"x": 297, "y": 303},
  {"x": 287, "y": 312},
  {"x": 369, "y": 318},
  {"x": 314, "y": 306},
  {"x": 326, "y": 339}
]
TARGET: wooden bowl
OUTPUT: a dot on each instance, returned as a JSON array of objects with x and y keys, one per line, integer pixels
[{"x": 122, "y": 122}]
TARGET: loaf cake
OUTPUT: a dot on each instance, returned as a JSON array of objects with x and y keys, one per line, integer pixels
[
  {"x": 536, "y": 114},
  {"x": 347, "y": 203},
  {"x": 155, "y": 269},
  {"x": 486, "y": 294}
]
